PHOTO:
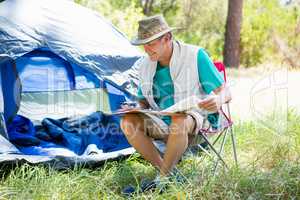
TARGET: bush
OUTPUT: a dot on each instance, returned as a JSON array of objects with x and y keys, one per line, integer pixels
[{"x": 262, "y": 19}]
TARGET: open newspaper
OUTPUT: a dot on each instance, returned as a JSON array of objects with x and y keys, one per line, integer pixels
[{"x": 180, "y": 107}]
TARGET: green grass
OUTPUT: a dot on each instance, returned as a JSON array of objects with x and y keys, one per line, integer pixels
[{"x": 269, "y": 168}]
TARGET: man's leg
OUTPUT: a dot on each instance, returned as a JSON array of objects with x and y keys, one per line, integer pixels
[
  {"x": 177, "y": 142},
  {"x": 135, "y": 132}
]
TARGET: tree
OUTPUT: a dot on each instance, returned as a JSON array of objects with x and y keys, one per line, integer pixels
[
  {"x": 151, "y": 7},
  {"x": 147, "y": 6},
  {"x": 232, "y": 33}
]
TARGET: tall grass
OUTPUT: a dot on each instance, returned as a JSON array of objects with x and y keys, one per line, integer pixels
[{"x": 269, "y": 168}]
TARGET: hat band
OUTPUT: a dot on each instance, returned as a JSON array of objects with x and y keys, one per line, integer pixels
[{"x": 148, "y": 34}]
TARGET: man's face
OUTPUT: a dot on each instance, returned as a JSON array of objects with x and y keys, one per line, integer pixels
[{"x": 155, "y": 49}]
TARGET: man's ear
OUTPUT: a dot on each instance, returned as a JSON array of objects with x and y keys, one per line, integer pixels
[{"x": 167, "y": 37}]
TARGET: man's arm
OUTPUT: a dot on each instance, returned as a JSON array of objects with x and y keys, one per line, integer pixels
[
  {"x": 142, "y": 101},
  {"x": 224, "y": 93},
  {"x": 214, "y": 102}
]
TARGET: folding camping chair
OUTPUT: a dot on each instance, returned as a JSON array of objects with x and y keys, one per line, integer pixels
[
  {"x": 204, "y": 137},
  {"x": 221, "y": 132}
]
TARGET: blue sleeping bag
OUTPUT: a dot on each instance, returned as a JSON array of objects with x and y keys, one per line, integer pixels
[{"x": 74, "y": 134}]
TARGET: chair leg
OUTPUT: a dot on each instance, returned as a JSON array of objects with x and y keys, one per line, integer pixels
[
  {"x": 221, "y": 151},
  {"x": 216, "y": 140},
  {"x": 203, "y": 149},
  {"x": 233, "y": 146},
  {"x": 232, "y": 136},
  {"x": 214, "y": 150}
]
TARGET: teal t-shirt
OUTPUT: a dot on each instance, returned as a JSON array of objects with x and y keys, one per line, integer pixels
[{"x": 163, "y": 88}]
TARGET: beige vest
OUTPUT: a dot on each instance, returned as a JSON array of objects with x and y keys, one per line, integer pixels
[{"x": 183, "y": 70}]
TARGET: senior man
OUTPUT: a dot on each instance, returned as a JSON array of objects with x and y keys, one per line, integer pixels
[{"x": 170, "y": 72}]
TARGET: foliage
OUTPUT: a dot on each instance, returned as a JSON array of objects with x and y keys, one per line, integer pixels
[
  {"x": 262, "y": 19},
  {"x": 123, "y": 14},
  {"x": 196, "y": 19},
  {"x": 267, "y": 25}
]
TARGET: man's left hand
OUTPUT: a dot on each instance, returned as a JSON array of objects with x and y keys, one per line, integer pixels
[{"x": 212, "y": 103}]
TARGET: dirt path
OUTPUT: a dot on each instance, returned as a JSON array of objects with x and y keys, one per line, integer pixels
[{"x": 263, "y": 92}]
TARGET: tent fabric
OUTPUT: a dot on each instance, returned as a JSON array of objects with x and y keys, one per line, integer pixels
[
  {"x": 10, "y": 88},
  {"x": 63, "y": 162},
  {"x": 67, "y": 57},
  {"x": 10, "y": 155},
  {"x": 75, "y": 33},
  {"x": 51, "y": 83},
  {"x": 7, "y": 147},
  {"x": 43, "y": 71},
  {"x": 57, "y": 104}
]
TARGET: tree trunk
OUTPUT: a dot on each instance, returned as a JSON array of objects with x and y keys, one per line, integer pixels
[
  {"x": 147, "y": 7},
  {"x": 232, "y": 34}
]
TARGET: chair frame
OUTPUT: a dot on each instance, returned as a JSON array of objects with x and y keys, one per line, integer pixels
[{"x": 205, "y": 133}]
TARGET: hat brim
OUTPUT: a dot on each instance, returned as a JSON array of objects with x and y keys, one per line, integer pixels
[{"x": 136, "y": 41}]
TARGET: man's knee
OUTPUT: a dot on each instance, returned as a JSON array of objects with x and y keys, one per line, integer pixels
[
  {"x": 182, "y": 124},
  {"x": 130, "y": 122}
]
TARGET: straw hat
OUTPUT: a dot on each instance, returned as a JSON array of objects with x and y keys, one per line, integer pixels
[{"x": 150, "y": 29}]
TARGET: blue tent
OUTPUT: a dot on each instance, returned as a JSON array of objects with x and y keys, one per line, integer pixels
[{"x": 59, "y": 60}]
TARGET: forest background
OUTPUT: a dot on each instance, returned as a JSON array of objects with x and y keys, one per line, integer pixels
[{"x": 270, "y": 29}]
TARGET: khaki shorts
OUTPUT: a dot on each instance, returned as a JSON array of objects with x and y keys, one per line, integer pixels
[{"x": 158, "y": 129}]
